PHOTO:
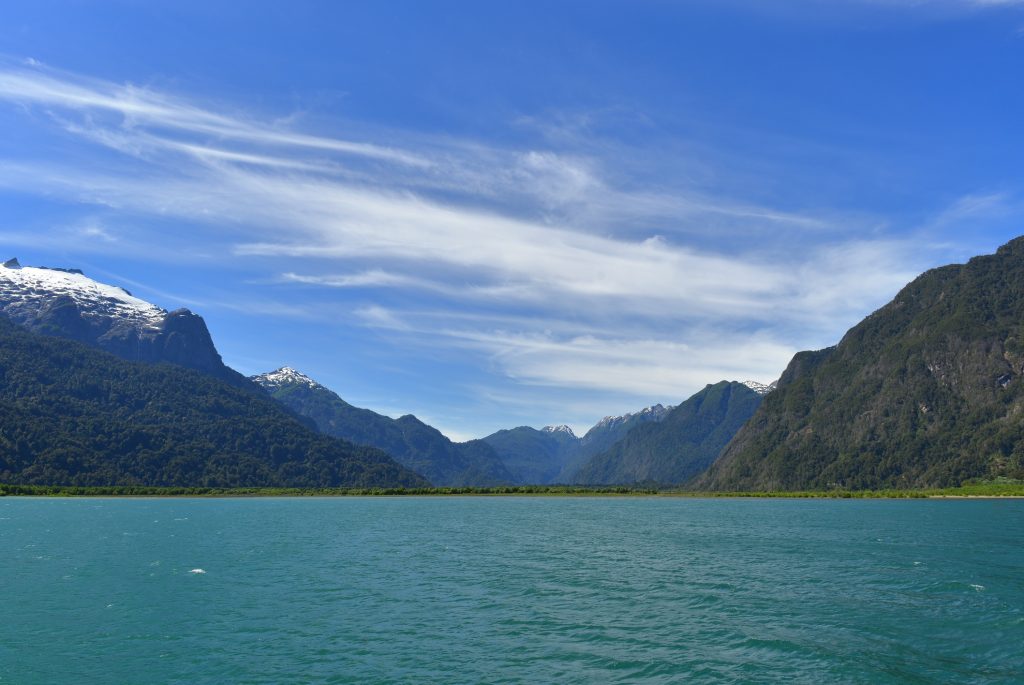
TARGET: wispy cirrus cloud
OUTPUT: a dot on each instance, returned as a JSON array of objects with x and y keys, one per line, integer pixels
[
  {"x": 142, "y": 107},
  {"x": 607, "y": 290}
]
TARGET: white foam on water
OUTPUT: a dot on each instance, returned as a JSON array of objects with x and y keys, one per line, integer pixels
[
  {"x": 197, "y": 571},
  {"x": 977, "y": 588}
]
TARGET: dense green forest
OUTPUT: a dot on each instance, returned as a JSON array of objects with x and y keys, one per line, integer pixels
[
  {"x": 74, "y": 415},
  {"x": 926, "y": 392}
]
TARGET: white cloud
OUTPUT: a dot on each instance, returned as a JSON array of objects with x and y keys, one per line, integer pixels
[
  {"x": 484, "y": 232},
  {"x": 643, "y": 367},
  {"x": 140, "y": 107}
]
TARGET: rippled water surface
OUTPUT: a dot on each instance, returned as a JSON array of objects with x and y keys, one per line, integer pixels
[{"x": 510, "y": 590}]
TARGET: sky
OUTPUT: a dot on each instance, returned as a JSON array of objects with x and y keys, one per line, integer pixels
[{"x": 509, "y": 213}]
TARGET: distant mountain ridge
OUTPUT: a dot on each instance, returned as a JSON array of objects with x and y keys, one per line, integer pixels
[
  {"x": 411, "y": 442},
  {"x": 928, "y": 391},
  {"x": 532, "y": 456},
  {"x": 679, "y": 446},
  {"x": 554, "y": 453},
  {"x": 655, "y": 412}
]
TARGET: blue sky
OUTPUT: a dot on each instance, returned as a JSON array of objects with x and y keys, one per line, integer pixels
[{"x": 504, "y": 213}]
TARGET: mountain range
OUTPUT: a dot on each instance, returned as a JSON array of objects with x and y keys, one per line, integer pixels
[
  {"x": 98, "y": 387},
  {"x": 521, "y": 456},
  {"x": 554, "y": 454},
  {"x": 411, "y": 442}
]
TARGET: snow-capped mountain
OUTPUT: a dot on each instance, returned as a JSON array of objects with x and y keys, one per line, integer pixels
[
  {"x": 69, "y": 304},
  {"x": 25, "y": 289},
  {"x": 283, "y": 377},
  {"x": 559, "y": 429},
  {"x": 653, "y": 413},
  {"x": 761, "y": 388}
]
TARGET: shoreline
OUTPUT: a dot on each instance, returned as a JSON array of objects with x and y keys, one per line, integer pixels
[{"x": 967, "y": 492}]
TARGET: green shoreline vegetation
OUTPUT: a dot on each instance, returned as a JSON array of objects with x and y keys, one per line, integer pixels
[{"x": 996, "y": 488}]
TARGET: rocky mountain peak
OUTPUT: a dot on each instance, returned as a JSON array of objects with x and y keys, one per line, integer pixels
[
  {"x": 559, "y": 429},
  {"x": 655, "y": 412},
  {"x": 282, "y": 377},
  {"x": 761, "y": 388}
]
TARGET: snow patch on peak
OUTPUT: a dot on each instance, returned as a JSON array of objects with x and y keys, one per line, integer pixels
[
  {"x": 760, "y": 388},
  {"x": 559, "y": 429},
  {"x": 656, "y": 412},
  {"x": 286, "y": 375},
  {"x": 25, "y": 290}
]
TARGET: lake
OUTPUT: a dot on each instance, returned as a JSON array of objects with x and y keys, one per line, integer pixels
[{"x": 511, "y": 590}]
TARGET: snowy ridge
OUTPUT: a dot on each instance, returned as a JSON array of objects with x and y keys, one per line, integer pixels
[
  {"x": 559, "y": 429},
  {"x": 760, "y": 388},
  {"x": 286, "y": 375},
  {"x": 655, "y": 412},
  {"x": 24, "y": 290}
]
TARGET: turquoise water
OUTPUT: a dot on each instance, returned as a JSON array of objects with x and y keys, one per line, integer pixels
[{"x": 511, "y": 590}]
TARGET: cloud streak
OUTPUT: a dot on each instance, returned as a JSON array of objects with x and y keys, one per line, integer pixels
[{"x": 482, "y": 232}]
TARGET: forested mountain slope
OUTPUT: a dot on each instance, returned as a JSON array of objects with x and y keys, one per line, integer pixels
[
  {"x": 72, "y": 414},
  {"x": 927, "y": 391}
]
